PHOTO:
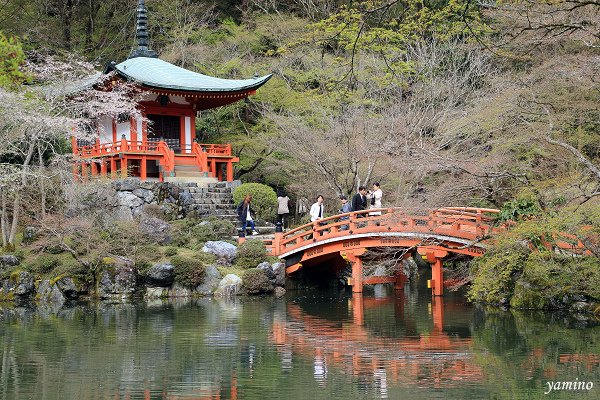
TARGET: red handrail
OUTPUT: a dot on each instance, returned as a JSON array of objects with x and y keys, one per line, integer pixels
[
  {"x": 201, "y": 157},
  {"x": 168, "y": 159},
  {"x": 468, "y": 227}
]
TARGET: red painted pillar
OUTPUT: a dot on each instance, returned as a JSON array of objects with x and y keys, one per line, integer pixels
[
  {"x": 434, "y": 256},
  {"x": 124, "y": 167},
  {"x": 357, "y": 275},
  {"x": 437, "y": 278},
  {"x": 113, "y": 168},
  {"x": 143, "y": 172},
  {"x": 229, "y": 171},
  {"x": 103, "y": 168},
  {"x": 84, "y": 172},
  {"x": 94, "y": 168}
]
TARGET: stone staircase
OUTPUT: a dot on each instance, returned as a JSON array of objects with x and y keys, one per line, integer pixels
[
  {"x": 189, "y": 173},
  {"x": 214, "y": 199}
]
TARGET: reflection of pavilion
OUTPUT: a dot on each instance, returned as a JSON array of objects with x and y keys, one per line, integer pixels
[{"x": 432, "y": 359}]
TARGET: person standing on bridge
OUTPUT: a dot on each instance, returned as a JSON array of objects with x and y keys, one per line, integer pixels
[
  {"x": 376, "y": 196},
  {"x": 317, "y": 212},
  {"x": 317, "y": 209},
  {"x": 359, "y": 200},
  {"x": 244, "y": 213},
  {"x": 346, "y": 208}
]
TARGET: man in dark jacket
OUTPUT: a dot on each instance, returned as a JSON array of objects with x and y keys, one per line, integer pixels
[{"x": 359, "y": 200}]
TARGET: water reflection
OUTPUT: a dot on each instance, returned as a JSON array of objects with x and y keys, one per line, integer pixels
[
  {"x": 431, "y": 358},
  {"x": 318, "y": 345}
]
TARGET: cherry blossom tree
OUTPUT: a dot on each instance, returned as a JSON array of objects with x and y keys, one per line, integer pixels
[{"x": 64, "y": 100}]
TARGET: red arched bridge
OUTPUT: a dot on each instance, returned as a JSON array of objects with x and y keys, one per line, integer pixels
[{"x": 434, "y": 235}]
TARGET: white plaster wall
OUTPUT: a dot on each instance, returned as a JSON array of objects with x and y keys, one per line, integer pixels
[
  {"x": 123, "y": 128},
  {"x": 188, "y": 134},
  {"x": 139, "y": 129},
  {"x": 105, "y": 129}
]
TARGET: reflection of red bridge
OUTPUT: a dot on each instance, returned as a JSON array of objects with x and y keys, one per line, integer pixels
[
  {"x": 457, "y": 230},
  {"x": 434, "y": 359}
]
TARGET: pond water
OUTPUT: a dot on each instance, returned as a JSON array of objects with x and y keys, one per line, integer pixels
[{"x": 307, "y": 345}]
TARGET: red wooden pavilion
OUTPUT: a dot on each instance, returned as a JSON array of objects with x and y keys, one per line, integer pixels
[{"x": 162, "y": 144}]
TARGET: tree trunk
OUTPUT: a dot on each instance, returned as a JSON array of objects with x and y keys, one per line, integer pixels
[
  {"x": 17, "y": 200},
  {"x": 42, "y": 184},
  {"x": 67, "y": 20},
  {"x": 3, "y": 221}
]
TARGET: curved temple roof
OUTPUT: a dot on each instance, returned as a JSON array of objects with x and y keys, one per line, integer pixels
[{"x": 157, "y": 73}]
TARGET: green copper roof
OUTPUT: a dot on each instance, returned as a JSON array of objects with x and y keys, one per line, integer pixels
[{"x": 161, "y": 74}]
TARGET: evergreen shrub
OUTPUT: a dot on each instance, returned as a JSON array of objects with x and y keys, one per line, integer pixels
[
  {"x": 264, "y": 199},
  {"x": 189, "y": 272},
  {"x": 250, "y": 254}
]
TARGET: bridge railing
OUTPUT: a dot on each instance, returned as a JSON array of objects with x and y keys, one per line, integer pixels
[{"x": 462, "y": 222}]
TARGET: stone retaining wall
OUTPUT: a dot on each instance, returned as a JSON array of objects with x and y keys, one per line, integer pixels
[{"x": 125, "y": 199}]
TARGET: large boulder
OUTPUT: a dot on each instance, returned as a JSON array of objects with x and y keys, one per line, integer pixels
[
  {"x": 179, "y": 291},
  {"x": 120, "y": 283},
  {"x": 157, "y": 229},
  {"x": 266, "y": 268},
  {"x": 225, "y": 252},
  {"x": 144, "y": 194},
  {"x": 24, "y": 285},
  {"x": 123, "y": 213},
  {"x": 128, "y": 184},
  {"x": 212, "y": 277},
  {"x": 279, "y": 272},
  {"x": 230, "y": 285},
  {"x": 161, "y": 275},
  {"x": 68, "y": 287},
  {"x": 8, "y": 260},
  {"x": 257, "y": 282},
  {"x": 128, "y": 199},
  {"x": 50, "y": 295}
]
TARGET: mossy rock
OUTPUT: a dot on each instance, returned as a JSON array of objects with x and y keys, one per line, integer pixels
[{"x": 255, "y": 281}]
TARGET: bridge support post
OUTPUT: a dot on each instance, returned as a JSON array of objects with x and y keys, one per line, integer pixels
[
  {"x": 357, "y": 275},
  {"x": 437, "y": 278},
  {"x": 400, "y": 281},
  {"x": 357, "y": 268},
  {"x": 435, "y": 256},
  {"x": 277, "y": 239}
]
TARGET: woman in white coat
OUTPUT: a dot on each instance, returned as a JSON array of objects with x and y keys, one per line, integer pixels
[{"x": 376, "y": 197}]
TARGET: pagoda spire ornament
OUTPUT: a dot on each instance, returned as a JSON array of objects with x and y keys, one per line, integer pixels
[{"x": 141, "y": 33}]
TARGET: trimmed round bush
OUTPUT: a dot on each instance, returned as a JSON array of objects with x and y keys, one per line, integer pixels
[
  {"x": 264, "y": 199},
  {"x": 256, "y": 282},
  {"x": 251, "y": 253},
  {"x": 189, "y": 272}
]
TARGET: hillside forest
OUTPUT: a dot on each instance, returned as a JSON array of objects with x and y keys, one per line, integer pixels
[{"x": 445, "y": 102}]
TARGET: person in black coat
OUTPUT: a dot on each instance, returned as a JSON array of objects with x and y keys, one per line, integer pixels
[
  {"x": 359, "y": 200},
  {"x": 244, "y": 212}
]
